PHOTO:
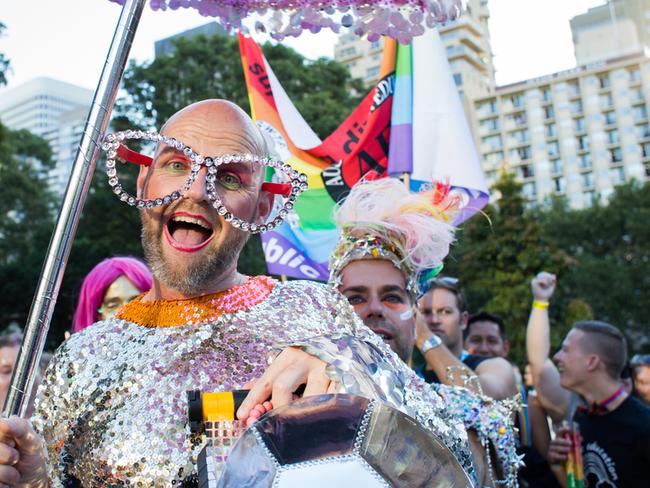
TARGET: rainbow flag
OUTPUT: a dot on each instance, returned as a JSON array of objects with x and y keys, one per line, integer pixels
[{"x": 379, "y": 138}]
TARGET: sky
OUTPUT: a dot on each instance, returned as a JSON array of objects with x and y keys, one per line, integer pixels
[{"x": 68, "y": 40}]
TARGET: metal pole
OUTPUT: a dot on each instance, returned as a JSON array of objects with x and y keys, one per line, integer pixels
[{"x": 58, "y": 252}]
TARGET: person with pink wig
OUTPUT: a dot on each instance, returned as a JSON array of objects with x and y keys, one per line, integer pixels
[{"x": 109, "y": 285}]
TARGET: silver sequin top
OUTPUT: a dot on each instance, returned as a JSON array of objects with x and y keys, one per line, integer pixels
[{"x": 112, "y": 407}]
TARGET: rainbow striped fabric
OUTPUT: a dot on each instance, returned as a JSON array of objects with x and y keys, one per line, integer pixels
[{"x": 411, "y": 123}]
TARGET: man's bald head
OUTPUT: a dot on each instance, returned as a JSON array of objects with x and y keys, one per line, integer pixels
[{"x": 218, "y": 119}]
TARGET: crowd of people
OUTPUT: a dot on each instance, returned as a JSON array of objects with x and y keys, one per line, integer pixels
[{"x": 199, "y": 324}]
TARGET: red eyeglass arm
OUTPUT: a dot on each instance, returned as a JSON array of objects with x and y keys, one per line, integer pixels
[{"x": 126, "y": 154}]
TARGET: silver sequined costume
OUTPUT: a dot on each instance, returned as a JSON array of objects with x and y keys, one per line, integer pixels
[{"x": 112, "y": 408}]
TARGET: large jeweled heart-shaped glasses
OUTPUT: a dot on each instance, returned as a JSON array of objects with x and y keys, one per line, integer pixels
[{"x": 230, "y": 178}]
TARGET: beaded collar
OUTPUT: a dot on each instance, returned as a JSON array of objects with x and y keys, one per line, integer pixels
[{"x": 206, "y": 308}]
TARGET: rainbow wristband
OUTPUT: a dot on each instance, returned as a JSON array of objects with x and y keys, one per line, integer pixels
[{"x": 540, "y": 305}]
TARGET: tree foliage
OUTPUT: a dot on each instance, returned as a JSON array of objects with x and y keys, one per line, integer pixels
[
  {"x": 210, "y": 67},
  {"x": 26, "y": 219},
  {"x": 4, "y": 62},
  {"x": 610, "y": 255},
  {"x": 496, "y": 257}
]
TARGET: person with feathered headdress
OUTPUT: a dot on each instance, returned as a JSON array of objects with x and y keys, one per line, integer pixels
[{"x": 392, "y": 240}]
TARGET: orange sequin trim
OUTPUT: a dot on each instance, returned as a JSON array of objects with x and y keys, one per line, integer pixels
[{"x": 206, "y": 308}]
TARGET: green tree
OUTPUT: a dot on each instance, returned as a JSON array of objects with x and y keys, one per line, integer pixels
[
  {"x": 496, "y": 257},
  {"x": 210, "y": 67},
  {"x": 26, "y": 219},
  {"x": 4, "y": 62},
  {"x": 608, "y": 245}
]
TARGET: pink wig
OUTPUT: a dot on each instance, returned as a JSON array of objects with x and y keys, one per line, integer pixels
[{"x": 99, "y": 279}]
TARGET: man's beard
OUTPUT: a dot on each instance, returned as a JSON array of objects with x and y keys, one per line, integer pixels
[
  {"x": 399, "y": 343},
  {"x": 194, "y": 278}
]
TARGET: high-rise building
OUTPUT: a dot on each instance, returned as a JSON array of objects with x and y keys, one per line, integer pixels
[
  {"x": 54, "y": 110},
  {"x": 64, "y": 140},
  {"x": 615, "y": 29},
  {"x": 576, "y": 133},
  {"x": 466, "y": 40},
  {"x": 166, "y": 46}
]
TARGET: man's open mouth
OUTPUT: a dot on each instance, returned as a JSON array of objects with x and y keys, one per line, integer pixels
[
  {"x": 384, "y": 334},
  {"x": 188, "y": 232}
]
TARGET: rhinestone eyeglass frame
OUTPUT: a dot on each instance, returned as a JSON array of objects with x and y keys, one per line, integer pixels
[{"x": 113, "y": 143}]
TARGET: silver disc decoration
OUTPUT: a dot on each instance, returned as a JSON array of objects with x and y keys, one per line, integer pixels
[{"x": 335, "y": 441}]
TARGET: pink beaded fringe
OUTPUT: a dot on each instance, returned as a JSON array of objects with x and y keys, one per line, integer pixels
[{"x": 399, "y": 19}]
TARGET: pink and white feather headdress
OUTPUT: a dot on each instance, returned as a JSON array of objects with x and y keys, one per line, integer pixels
[{"x": 382, "y": 219}]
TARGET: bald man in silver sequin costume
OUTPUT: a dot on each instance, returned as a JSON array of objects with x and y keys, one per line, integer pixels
[{"x": 112, "y": 408}]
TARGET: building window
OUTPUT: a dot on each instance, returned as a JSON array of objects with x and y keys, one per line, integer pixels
[
  {"x": 519, "y": 118},
  {"x": 458, "y": 79},
  {"x": 553, "y": 149},
  {"x": 517, "y": 100},
  {"x": 617, "y": 175},
  {"x": 603, "y": 81},
  {"x": 574, "y": 89},
  {"x": 579, "y": 124},
  {"x": 583, "y": 143},
  {"x": 490, "y": 124},
  {"x": 640, "y": 112},
  {"x": 645, "y": 150},
  {"x": 576, "y": 106},
  {"x": 521, "y": 152},
  {"x": 588, "y": 198},
  {"x": 556, "y": 166},
  {"x": 636, "y": 94},
  {"x": 558, "y": 183},
  {"x": 347, "y": 52},
  {"x": 375, "y": 45},
  {"x": 526, "y": 171},
  {"x": 549, "y": 112},
  {"x": 551, "y": 130},
  {"x": 546, "y": 94},
  {"x": 584, "y": 160},
  {"x": 612, "y": 136},
  {"x": 372, "y": 72},
  {"x": 635, "y": 75},
  {"x": 520, "y": 136},
  {"x": 493, "y": 141},
  {"x": 643, "y": 131},
  {"x": 489, "y": 106},
  {"x": 588, "y": 180},
  {"x": 610, "y": 118},
  {"x": 606, "y": 101},
  {"x": 530, "y": 190},
  {"x": 494, "y": 157},
  {"x": 615, "y": 155}
]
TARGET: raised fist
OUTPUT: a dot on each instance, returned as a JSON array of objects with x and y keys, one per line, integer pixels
[{"x": 543, "y": 286}]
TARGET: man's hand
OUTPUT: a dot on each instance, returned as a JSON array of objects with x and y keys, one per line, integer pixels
[
  {"x": 559, "y": 449},
  {"x": 422, "y": 331},
  {"x": 291, "y": 369},
  {"x": 22, "y": 460},
  {"x": 543, "y": 286}
]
